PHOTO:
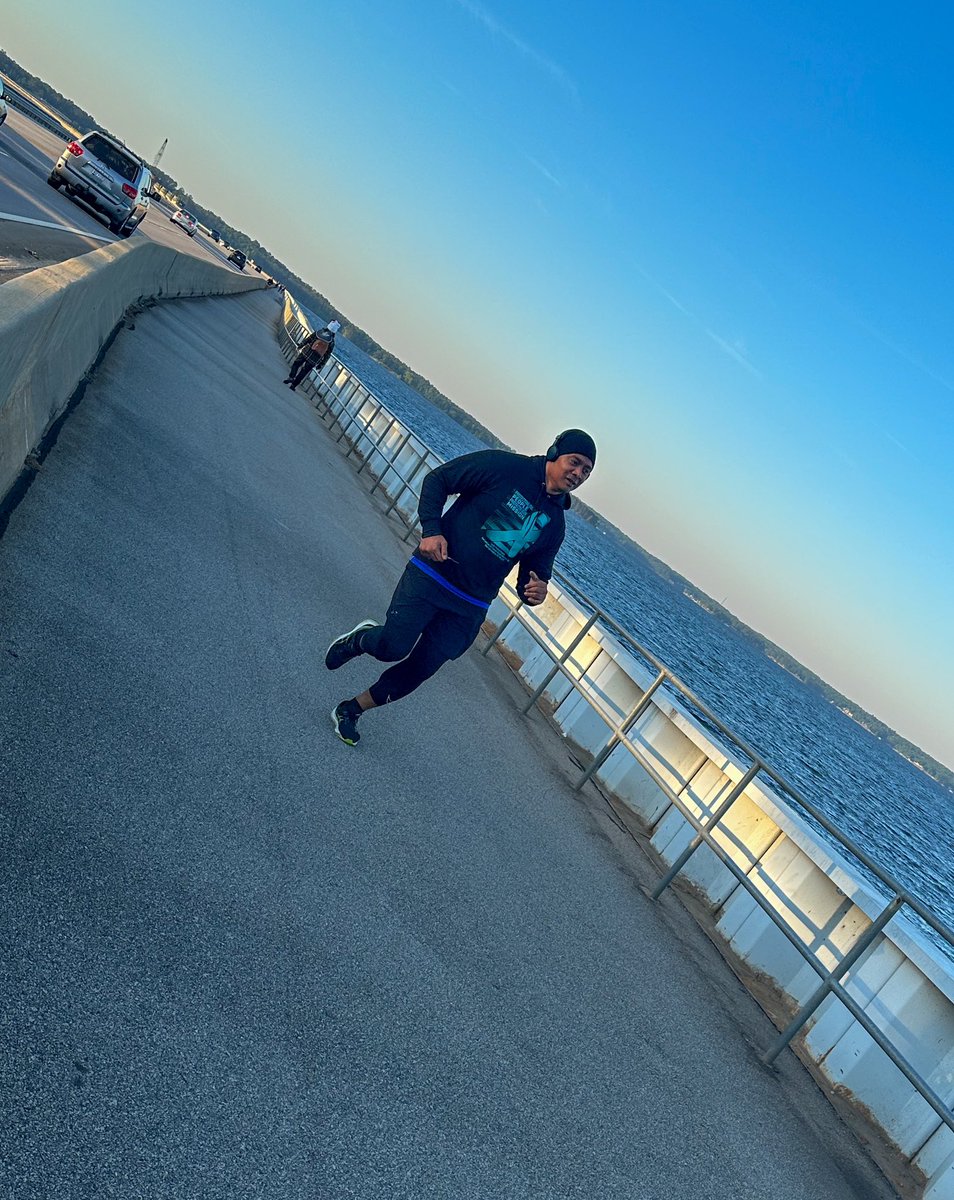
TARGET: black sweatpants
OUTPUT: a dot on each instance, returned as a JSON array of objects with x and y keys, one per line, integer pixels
[
  {"x": 426, "y": 626},
  {"x": 301, "y": 365}
]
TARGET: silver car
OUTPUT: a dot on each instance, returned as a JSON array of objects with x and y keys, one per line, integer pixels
[
  {"x": 101, "y": 172},
  {"x": 186, "y": 220}
]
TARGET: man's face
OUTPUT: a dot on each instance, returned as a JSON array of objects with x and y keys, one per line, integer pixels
[{"x": 566, "y": 473}]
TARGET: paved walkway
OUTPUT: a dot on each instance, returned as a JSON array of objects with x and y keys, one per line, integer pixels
[{"x": 243, "y": 960}]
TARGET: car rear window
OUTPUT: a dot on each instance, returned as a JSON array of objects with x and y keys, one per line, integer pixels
[{"x": 125, "y": 166}]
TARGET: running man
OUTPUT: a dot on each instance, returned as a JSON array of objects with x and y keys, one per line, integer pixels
[{"x": 509, "y": 509}]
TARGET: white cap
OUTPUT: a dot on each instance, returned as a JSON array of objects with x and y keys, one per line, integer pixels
[{"x": 334, "y": 326}]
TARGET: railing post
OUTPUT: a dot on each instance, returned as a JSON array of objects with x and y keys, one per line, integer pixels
[
  {"x": 400, "y": 446},
  {"x": 501, "y": 627},
  {"x": 367, "y": 426},
  {"x": 630, "y": 719},
  {"x": 377, "y": 442},
  {"x": 330, "y": 397},
  {"x": 404, "y": 488},
  {"x": 861, "y": 945},
  {"x": 714, "y": 820},
  {"x": 312, "y": 389},
  {"x": 344, "y": 398},
  {"x": 321, "y": 382},
  {"x": 558, "y": 664}
]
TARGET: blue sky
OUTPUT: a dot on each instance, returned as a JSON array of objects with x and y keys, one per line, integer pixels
[{"x": 718, "y": 236}]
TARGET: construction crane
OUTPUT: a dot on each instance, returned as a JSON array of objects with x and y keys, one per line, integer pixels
[{"x": 155, "y": 161}]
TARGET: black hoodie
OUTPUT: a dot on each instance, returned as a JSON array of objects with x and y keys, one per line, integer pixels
[{"x": 503, "y": 514}]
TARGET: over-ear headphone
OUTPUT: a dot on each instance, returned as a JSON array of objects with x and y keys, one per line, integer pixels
[{"x": 554, "y": 452}]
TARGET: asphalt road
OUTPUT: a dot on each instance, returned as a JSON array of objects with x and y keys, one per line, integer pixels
[
  {"x": 243, "y": 960},
  {"x": 28, "y": 207}
]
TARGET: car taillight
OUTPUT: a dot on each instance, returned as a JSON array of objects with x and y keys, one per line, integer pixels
[
  {"x": 129, "y": 190},
  {"x": 75, "y": 148}
]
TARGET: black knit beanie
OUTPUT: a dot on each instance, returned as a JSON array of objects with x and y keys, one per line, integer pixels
[{"x": 575, "y": 441}]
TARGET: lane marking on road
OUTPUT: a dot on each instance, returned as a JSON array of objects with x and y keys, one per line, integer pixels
[{"x": 97, "y": 237}]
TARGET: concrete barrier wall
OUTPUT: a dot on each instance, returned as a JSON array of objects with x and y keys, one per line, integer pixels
[
  {"x": 54, "y": 321},
  {"x": 676, "y": 766}
]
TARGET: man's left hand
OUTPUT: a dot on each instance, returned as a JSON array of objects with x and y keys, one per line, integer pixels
[{"x": 534, "y": 590}]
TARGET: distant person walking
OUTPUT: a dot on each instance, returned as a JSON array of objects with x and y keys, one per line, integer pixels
[
  {"x": 509, "y": 510},
  {"x": 314, "y": 350}
]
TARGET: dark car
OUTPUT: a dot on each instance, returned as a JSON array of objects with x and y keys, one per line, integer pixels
[
  {"x": 239, "y": 259},
  {"x": 215, "y": 235}
]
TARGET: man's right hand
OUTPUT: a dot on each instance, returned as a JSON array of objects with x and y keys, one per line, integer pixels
[{"x": 434, "y": 549}]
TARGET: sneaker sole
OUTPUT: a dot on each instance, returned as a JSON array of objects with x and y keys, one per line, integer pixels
[
  {"x": 366, "y": 624},
  {"x": 334, "y": 721}
]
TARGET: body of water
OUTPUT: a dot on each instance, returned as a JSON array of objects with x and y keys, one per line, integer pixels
[{"x": 901, "y": 817}]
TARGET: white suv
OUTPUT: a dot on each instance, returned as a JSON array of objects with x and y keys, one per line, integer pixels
[{"x": 101, "y": 172}]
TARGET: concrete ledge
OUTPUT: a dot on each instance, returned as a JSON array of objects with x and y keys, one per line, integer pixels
[{"x": 54, "y": 321}]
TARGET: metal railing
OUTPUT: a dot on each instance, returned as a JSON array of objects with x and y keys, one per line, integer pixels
[
  {"x": 341, "y": 400},
  {"x": 23, "y": 102}
]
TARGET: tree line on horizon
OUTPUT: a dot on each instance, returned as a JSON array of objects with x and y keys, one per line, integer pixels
[{"x": 313, "y": 299}]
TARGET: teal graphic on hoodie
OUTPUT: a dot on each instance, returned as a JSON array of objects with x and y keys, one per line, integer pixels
[{"x": 513, "y": 528}]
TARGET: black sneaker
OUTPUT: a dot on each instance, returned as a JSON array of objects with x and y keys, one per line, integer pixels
[
  {"x": 344, "y": 717},
  {"x": 343, "y": 649}
]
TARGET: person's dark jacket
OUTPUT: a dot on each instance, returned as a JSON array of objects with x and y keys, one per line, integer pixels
[
  {"x": 315, "y": 355},
  {"x": 503, "y": 514}
]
